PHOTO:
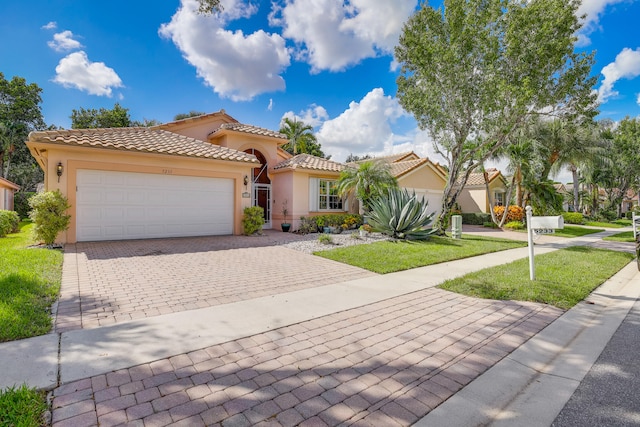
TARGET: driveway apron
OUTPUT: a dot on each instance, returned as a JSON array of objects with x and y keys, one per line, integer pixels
[
  {"x": 383, "y": 364},
  {"x": 109, "y": 282}
]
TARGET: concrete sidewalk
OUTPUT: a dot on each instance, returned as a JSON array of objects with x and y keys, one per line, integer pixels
[{"x": 552, "y": 363}]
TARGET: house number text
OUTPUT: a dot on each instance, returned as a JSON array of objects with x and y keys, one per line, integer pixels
[{"x": 167, "y": 171}]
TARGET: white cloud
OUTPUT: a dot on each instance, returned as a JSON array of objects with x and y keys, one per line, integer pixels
[
  {"x": 334, "y": 34},
  {"x": 75, "y": 70},
  {"x": 314, "y": 116},
  {"x": 270, "y": 106},
  {"x": 626, "y": 66},
  {"x": 51, "y": 25},
  {"x": 64, "y": 41},
  {"x": 638, "y": 99},
  {"x": 364, "y": 128},
  {"x": 593, "y": 9},
  {"x": 235, "y": 65}
]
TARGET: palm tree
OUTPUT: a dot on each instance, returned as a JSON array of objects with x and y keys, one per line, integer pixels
[
  {"x": 301, "y": 137},
  {"x": 590, "y": 152},
  {"x": 369, "y": 180}
]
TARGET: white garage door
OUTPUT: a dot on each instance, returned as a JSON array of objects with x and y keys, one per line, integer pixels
[{"x": 127, "y": 205}]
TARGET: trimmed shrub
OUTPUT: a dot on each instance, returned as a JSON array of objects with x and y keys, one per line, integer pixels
[
  {"x": 48, "y": 214},
  {"x": 252, "y": 220},
  {"x": 628, "y": 215},
  {"x": 514, "y": 225},
  {"x": 573, "y": 217},
  {"x": 490, "y": 224},
  {"x": 9, "y": 222},
  {"x": 325, "y": 239},
  {"x": 515, "y": 213},
  {"x": 476, "y": 218},
  {"x": 344, "y": 221}
]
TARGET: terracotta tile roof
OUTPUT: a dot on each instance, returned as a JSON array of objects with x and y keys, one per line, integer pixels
[
  {"x": 398, "y": 169},
  {"x": 477, "y": 178},
  {"x": 141, "y": 139},
  {"x": 221, "y": 113},
  {"x": 307, "y": 161},
  {"x": 254, "y": 130},
  {"x": 391, "y": 158}
]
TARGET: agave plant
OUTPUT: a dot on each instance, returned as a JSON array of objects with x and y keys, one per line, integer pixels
[{"x": 401, "y": 215}]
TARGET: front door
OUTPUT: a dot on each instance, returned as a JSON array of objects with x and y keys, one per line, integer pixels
[
  {"x": 262, "y": 198},
  {"x": 261, "y": 187}
]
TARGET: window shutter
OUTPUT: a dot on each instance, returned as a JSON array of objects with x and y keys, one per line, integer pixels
[{"x": 313, "y": 194}]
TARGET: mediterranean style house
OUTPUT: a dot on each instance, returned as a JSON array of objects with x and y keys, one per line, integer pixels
[{"x": 195, "y": 176}]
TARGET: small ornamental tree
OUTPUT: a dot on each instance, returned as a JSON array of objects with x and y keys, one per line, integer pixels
[{"x": 48, "y": 213}]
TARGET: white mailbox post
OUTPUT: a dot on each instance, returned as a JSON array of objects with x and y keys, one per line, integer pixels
[{"x": 539, "y": 225}]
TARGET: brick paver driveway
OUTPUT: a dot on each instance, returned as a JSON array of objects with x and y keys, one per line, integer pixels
[
  {"x": 384, "y": 364},
  {"x": 108, "y": 282}
]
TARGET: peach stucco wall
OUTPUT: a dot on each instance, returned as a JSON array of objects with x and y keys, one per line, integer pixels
[
  {"x": 424, "y": 177},
  {"x": 294, "y": 186},
  {"x": 74, "y": 158},
  {"x": 475, "y": 199}
]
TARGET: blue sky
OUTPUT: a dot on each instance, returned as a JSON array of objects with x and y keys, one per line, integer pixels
[{"x": 328, "y": 62}]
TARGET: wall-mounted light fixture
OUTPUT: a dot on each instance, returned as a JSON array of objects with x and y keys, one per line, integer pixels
[
  {"x": 246, "y": 180},
  {"x": 59, "y": 170}
]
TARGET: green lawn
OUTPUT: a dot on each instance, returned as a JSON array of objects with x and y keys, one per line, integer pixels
[
  {"x": 575, "y": 231},
  {"x": 625, "y": 236},
  {"x": 387, "y": 257},
  {"x": 614, "y": 224},
  {"x": 22, "y": 406},
  {"x": 563, "y": 278},
  {"x": 29, "y": 284}
]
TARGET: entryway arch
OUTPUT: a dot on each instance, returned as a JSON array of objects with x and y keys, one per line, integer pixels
[{"x": 261, "y": 186}]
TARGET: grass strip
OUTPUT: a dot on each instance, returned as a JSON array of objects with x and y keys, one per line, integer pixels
[
  {"x": 388, "y": 257},
  {"x": 22, "y": 406},
  {"x": 29, "y": 284},
  {"x": 575, "y": 231},
  {"x": 625, "y": 236},
  {"x": 605, "y": 224},
  {"x": 563, "y": 278}
]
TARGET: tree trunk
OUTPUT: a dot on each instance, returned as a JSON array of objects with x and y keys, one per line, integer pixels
[{"x": 576, "y": 189}]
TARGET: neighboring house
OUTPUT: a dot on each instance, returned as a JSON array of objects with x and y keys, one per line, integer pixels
[
  {"x": 422, "y": 176},
  {"x": 565, "y": 190},
  {"x": 629, "y": 202},
  {"x": 308, "y": 184},
  {"x": 194, "y": 177},
  {"x": 474, "y": 198},
  {"x": 7, "y": 190}
]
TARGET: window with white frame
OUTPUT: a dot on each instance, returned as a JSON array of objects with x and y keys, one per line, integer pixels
[
  {"x": 498, "y": 199},
  {"x": 323, "y": 195}
]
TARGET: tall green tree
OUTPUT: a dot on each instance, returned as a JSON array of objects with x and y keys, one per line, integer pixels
[
  {"x": 370, "y": 180},
  {"x": 117, "y": 117},
  {"x": 623, "y": 172},
  {"x": 301, "y": 138},
  {"x": 20, "y": 113},
  {"x": 474, "y": 71}
]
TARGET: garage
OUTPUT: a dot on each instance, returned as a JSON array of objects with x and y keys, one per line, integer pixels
[{"x": 113, "y": 205}]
